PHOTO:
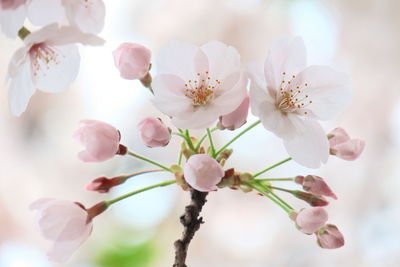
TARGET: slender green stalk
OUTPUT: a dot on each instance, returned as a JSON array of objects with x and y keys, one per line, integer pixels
[
  {"x": 277, "y": 197},
  {"x": 211, "y": 143},
  {"x": 271, "y": 167},
  {"x": 179, "y": 134},
  {"x": 189, "y": 141},
  {"x": 149, "y": 160},
  {"x": 112, "y": 201},
  {"x": 276, "y": 179},
  {"x": 180, "y": 158},
  {"x": 140, "y": 172},
  {"x": 237, "y": 136},
  {"x": 281, "y": 189},
  {"x": 204, "y": 138},
  {"x": 261, "y": 189}
]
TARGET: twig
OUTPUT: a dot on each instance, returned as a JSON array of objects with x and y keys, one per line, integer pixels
[{"x": 191, "y": 223}]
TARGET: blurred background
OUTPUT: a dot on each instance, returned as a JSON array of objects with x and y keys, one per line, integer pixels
[{"x": 38, "y": 154}]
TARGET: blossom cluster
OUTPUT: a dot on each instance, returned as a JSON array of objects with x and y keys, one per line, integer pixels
[{"x": 198, "y": 87}]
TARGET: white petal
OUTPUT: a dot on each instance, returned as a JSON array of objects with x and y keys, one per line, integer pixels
[
  {"x": 41, "y": 35},
  {"x": 12, "y": 20},
  {"x": 21, "y": 88},
  {"x": 258, "y": 92},
  {"x": 57, "y": 74},
  {"x": 231, "y": 94},
  {"x": 86, "y": 15},
  {"x": 199, "y": 118},
  {"x": 286, "y": 55},
  {"x": 43, "y": 12},
  {"x": 328, "y": 90},
  {"x": 223, "y": 60},
  {"x": 310, "y": 146},
  {"x": 178, "y": 59},
  {"x": 169, "y": 95},
  {"x": 62, "y": 250}
]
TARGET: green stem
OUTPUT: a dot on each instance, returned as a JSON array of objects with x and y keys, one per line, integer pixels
[
  {"x": 149, "y": 160},
  {"x": 276, "y": 179},
  {"x": 189, "y": 141},
  {"x": 271, "y": 167},
  {"x": 180, "y": 158},
  {"x": 204, "y": 138},
  {"x": 277, "y": 197},
  {"x": 211, "y": 143},
  {"x": 126, "y": 176},
  {"x": 281, "y": 189},
  {"x": 261, "y": 189},
  {"x": 237, "y": 136},
  {"x": 112, "y": 201}
]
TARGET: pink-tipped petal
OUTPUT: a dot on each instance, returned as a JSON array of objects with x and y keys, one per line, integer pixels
[
  {"x": 330, "y": 237},
  {"x": 132, "y": 60},
  {"x": 310, "y": 220},
  {"x": 154, "y": 133}
]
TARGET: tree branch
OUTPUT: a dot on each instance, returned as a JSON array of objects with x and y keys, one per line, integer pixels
[{"x": 191, "y": 223}]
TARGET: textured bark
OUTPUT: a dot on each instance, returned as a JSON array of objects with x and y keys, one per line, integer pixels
[{"x": 191, "y": 223}]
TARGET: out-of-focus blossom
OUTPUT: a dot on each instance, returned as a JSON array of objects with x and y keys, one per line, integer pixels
[
  {"x": 11, "y": 4},
  {"x": 66, "y": 223},
  {"x": 132, "y": 60},
  {"x": 87, "y": 15},
  {"x": 342, "y": 146},
  {"x": 100, "y": 139},
  {"x": 39, "y": 13},
  {"x": 289, "y": 98},
  {"x": 49, "y": 61},
  {"x": 236, "y": 118},
  {"x": 154, "y": 133},
  {"x": 310, "y": 220},
  {"x": 315, "y": 185},
  {"x": 197, "y": 85},
  {"x": 203, "y": 173},
  {"x": 330, "y": 237}
]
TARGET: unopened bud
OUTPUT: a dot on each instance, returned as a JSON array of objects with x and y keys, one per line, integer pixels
[
  {"x": 96, "y": 210},
  {"x": 313, "y": 200},
  {"x": 104, "y": 184},
  {"x": 330, "y": 237}
]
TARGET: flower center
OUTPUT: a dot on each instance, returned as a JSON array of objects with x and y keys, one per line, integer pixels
[
  {"x": 42, "y": 54},
  {"x": 201, "y": 90},
  {"x": 291, "y": 98}
]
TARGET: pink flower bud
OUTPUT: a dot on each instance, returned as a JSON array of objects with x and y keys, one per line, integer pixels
[
  {"x": 236, "y": 118},
  {"x": 100, "y": 139},
  {"x": 342, "y": 146},
  {"x": 310, "y": 220},
  {"x": 330, "y": 237},
  {"x": 104, "y": 184},
  {"x": 11, "y": 4},
  {"x": 132, "y": 60},
  {"x": 154, "y": 133},
  {"x": 315, "y": 185},
  {"x": 66, "y": 223},
  {"x": 203, "y": 173},
  {"x": 313, "y": 200}
]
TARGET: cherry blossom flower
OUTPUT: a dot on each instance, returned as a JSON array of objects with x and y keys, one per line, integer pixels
[
  {"x": 236, "y": 118},
  {"x": 66, "y": 223},
  {"x": 310, "y": 220},
  {"x": 330, "y": 237},
  {"x": 203, "y": 173},
  {"x": 290, "y": 98},
  {"x": 197, "y": 85},
  {"x": 342, "y": 146},
  {"x": 100, "y": 139},
  {"x": 39, "y": 13},
  {"x": 315, "y": 185},
  {"x": 87, "y": 15},
  {"x": 49, "y": 61},
  {"x": 132, "y": 60},
  {"x": 154, "y": 133}
]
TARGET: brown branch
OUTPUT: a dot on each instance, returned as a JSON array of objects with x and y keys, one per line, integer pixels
[{"x": 191, "y": 223}]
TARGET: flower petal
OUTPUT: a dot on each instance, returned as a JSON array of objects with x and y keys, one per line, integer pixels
[
  {"x": 21, "y": 88},
  {"x": 88, "y": 16},
  {"x": 12, "y": 20},
  {"x": 56, "y": 75},
  {"x": 223, "y": 59},
  {"x": 70, "y": 35},
  {"x": 178, "y": 58},
  {"x": 43, "y": 12},
  {"x": 309, "y": 147},
  {"x": 287, "y": 56},
  {"x": 169, "y": 95},
  {"x": 328, "y": 90}
]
